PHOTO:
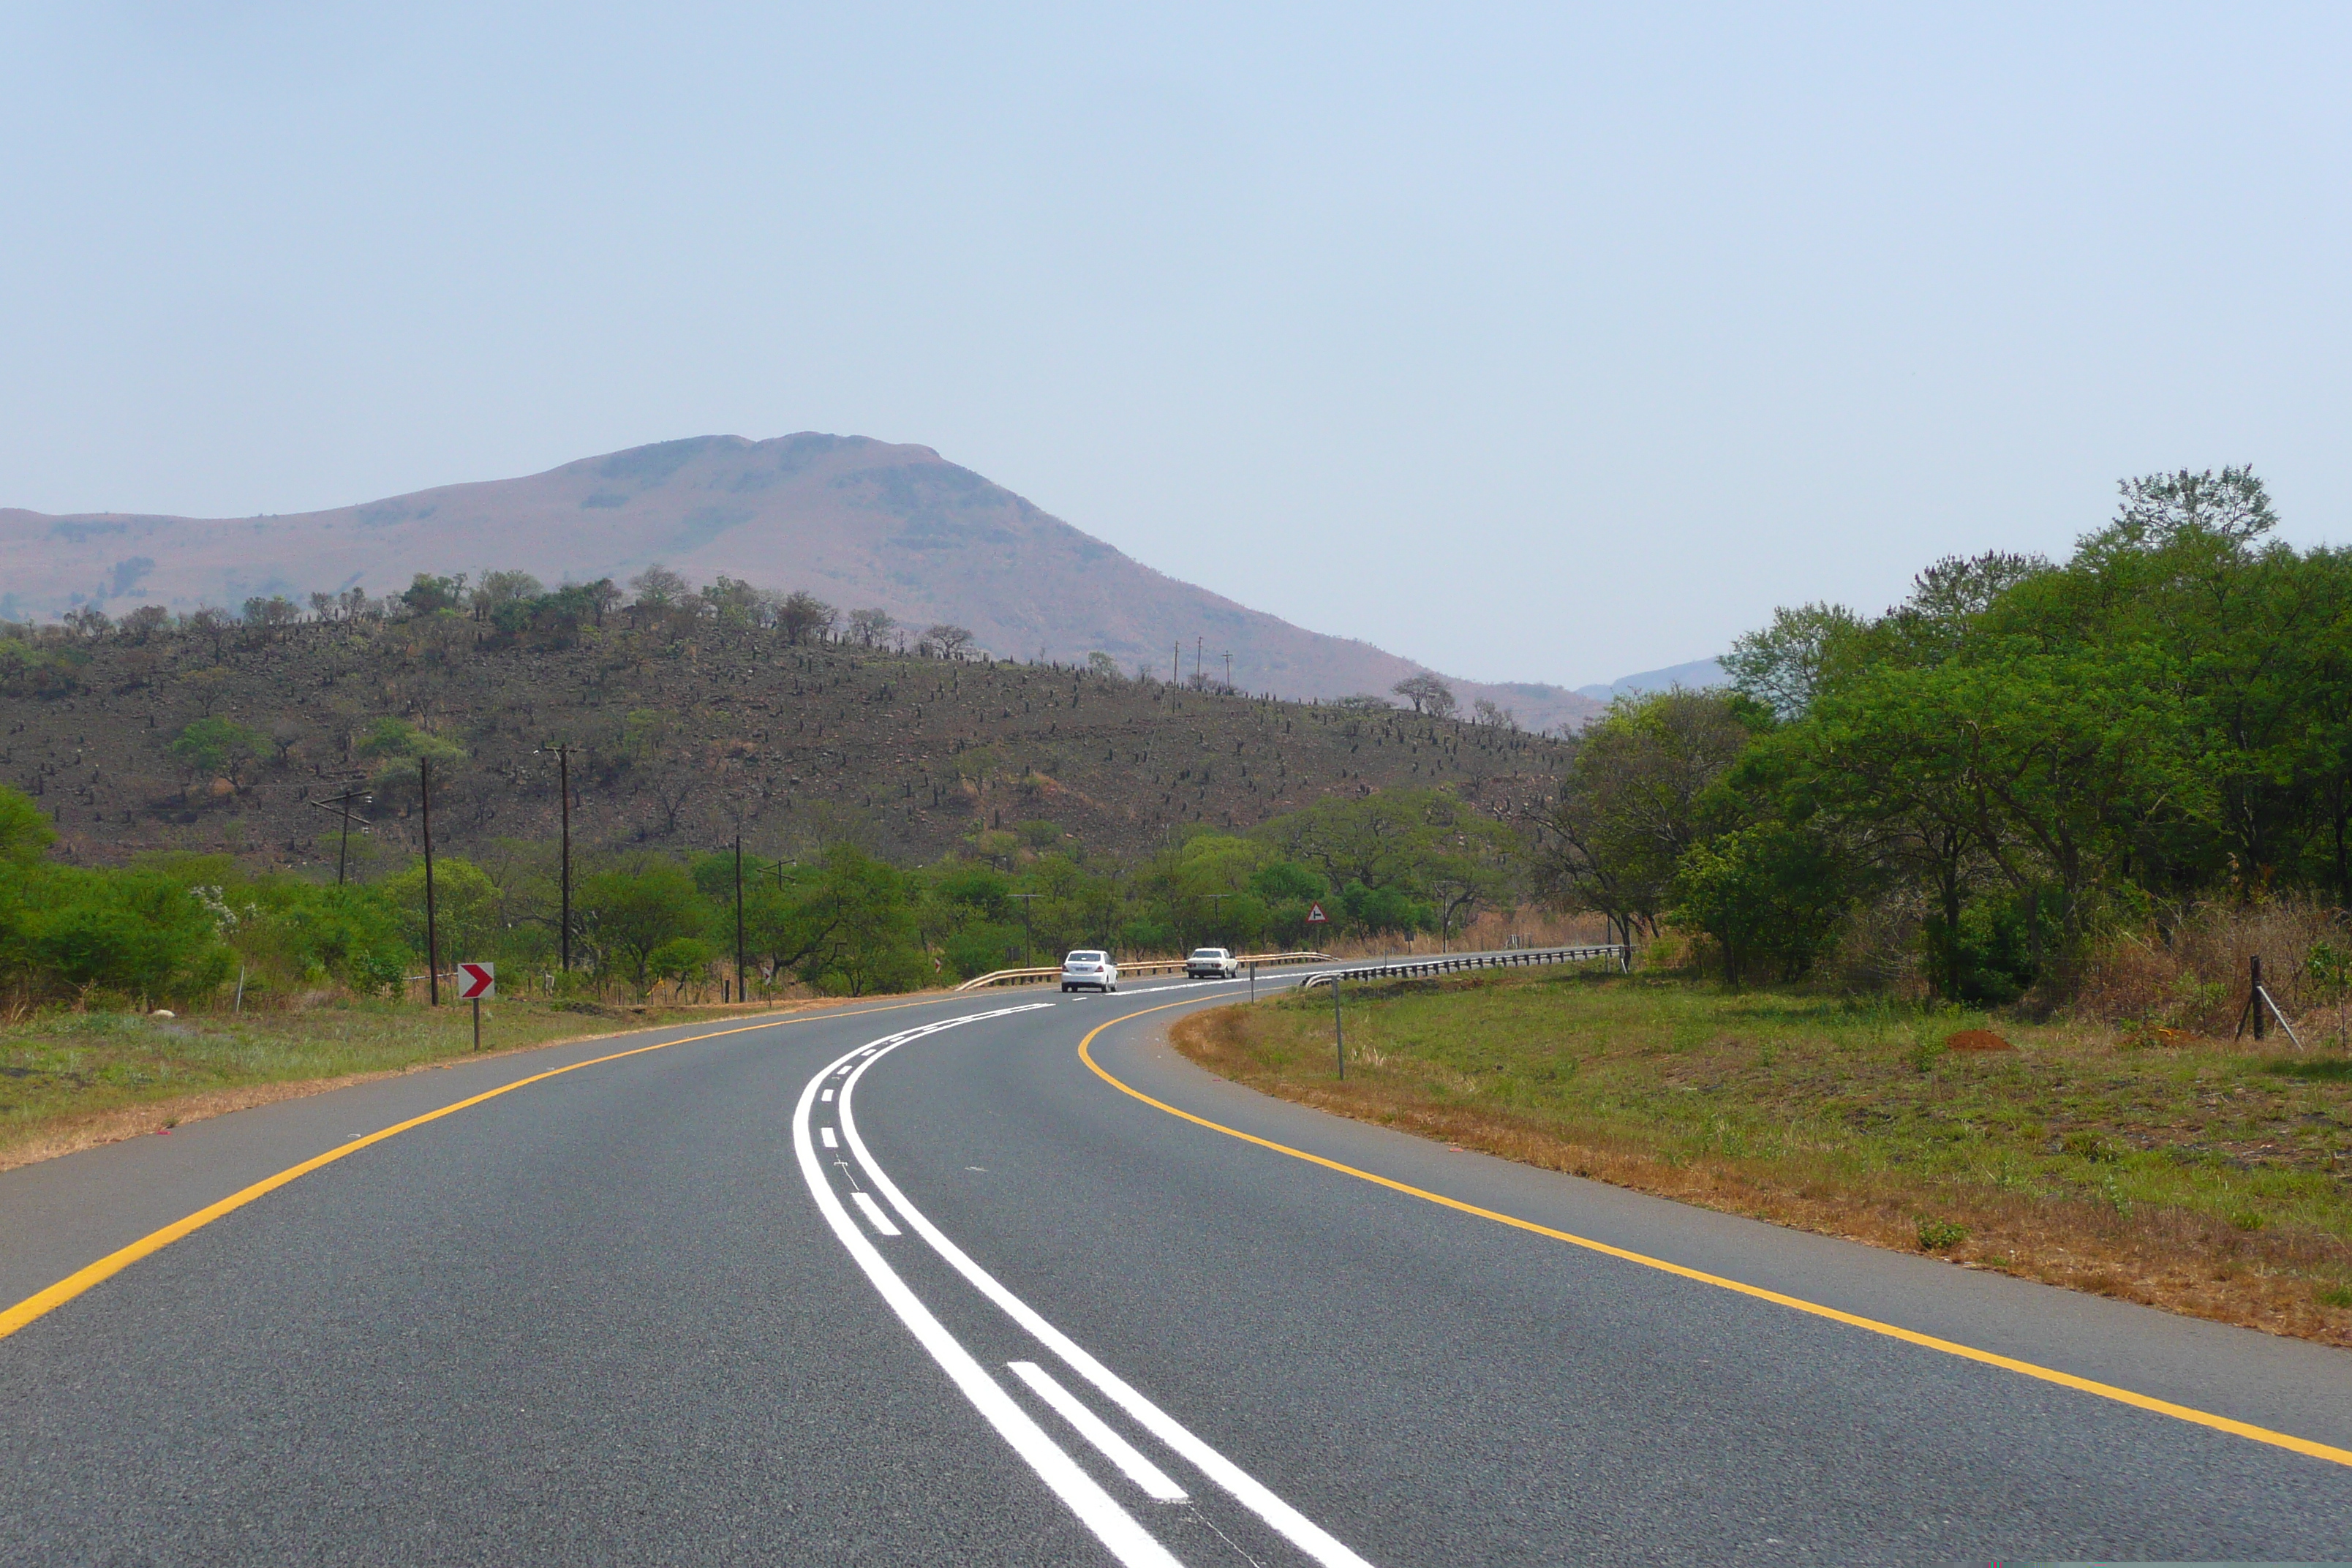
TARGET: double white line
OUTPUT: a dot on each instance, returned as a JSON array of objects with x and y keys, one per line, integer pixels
[{"x": 1112, "y": 1524}]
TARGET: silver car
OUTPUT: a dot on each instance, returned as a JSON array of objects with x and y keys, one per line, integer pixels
[{"x": 1089, "y": 970}]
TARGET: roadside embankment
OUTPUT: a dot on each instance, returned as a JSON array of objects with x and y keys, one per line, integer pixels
[{"x": 2192, "y": 1175}]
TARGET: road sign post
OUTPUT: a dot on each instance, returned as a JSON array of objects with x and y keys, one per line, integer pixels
[
  {"x": 1315, "y": 916},
  {"x": 1339, "y": 1030},
  {"x": 476, "y": 982}
]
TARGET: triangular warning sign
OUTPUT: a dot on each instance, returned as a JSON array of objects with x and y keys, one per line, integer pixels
[{"x": 1315, "y": 915}]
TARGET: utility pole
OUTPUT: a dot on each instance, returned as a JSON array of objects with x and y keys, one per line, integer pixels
[
  {"x": 1217, "y": 906},
  {"x": 740, "y": 996},
  {"x": 1175, "y": 664},
  {"x": 563, "y": 783},
  {"x": 432, "y": 931},
  {"x": 341, "y": 806},
  {"x": 1197, "y": 643},
  {"x": 1229, "y": 670},
  {"x": 1025, "y": 900}
]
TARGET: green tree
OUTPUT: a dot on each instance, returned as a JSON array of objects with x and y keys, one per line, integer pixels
[
  {"x": 218, "y": 748},
  {"x": 1638, "y": 794},
  {"x": 1786, "y": 666},
  {"x": 682, "y": 959},
  {"x": 429, "y": 596},
  {"x": 136, "y": 932},
  {"x": 1373, "y": 840},
  {"x": 25, "y": 831},
  {"x": 299, "y": 932},
  {"x": 860, "y": 926},
  {"x": 1767, "y": 891},
  {"x": 628, "y": 911},
  {"x": 469, "y": 911}
]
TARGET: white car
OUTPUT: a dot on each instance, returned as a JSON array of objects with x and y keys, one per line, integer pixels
[
  {"x": 1213, "y": 964},
  {"x": 1089, "y": 970}
]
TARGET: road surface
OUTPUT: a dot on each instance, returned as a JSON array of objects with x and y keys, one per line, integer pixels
[{"x": 913, "y": 1282}]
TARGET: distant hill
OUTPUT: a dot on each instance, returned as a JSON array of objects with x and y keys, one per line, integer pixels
[
  {"x": 858, "y": 521},
  {"x": 1696, "y": 675}
]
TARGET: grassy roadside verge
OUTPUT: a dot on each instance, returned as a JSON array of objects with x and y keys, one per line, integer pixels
[
  {"x": 72, "y": 1080},
  {"x": 2191, "y": 1176}
]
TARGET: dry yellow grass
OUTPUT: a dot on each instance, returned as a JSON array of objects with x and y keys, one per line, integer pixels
[
  {"x": 2200, "y": 1180},
  {"x": 72, "y": 1082}
]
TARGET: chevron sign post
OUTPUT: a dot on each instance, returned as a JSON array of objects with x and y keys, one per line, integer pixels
[{"x": 475, "y": 981}]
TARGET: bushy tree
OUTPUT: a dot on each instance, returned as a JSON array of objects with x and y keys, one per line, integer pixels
[
  {"x": 1428, "y": 694},
  {"x": 629, "y": 911},
  {"x": 427, "y": 595},
  {"x": 218, "y": 748},
  {"x": 804, "y": 617},
  {"x": 469, "y": 909},
  {"x": 1767, "y": 893},
  {"x": 1639, "y": 794}
]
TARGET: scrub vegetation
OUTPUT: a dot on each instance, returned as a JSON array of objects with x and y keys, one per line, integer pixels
[
  {"x": 2178, "y": 1171},
  {"x": 689, "y": 714}
]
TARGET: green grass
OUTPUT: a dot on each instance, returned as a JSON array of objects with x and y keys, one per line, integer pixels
[
  {"x": 58, "y": 1069},
  {"x": 2201, "y": 1160}
]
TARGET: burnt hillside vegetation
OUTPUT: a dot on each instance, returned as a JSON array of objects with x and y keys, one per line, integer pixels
[{"x": 213, "y": 735}]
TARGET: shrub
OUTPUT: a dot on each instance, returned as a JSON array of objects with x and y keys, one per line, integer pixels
[
  {"x": 1941, "y": 1235},
  {"x": 135, "y": 932},
  {"x": 216, "y": 747},
  {"x": 681, "y": 959},
  {"x": 2190, "y": 973}
]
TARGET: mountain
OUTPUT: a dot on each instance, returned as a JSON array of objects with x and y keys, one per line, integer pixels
[
  {"x": 1699, "y": 673},
  {"x": 858, "y": 521}
]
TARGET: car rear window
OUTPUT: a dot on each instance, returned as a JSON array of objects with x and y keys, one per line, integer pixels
[{"x": 1083, "y": 958}]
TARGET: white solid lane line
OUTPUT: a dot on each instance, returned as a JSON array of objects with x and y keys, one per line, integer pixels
[
  {"x": 873, "y": 1213},
  {"x": 830, "y": 1140},
  {"x": 1243, "y": 1488},
  {"x": 1112, "y": 1525},
  {"x": 1096, "y": 1430}
]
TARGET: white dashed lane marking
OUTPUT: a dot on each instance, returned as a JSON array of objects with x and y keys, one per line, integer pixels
[{"x": 873, "y": 1213}]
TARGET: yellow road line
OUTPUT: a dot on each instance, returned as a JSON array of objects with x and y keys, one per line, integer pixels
[
  {"x": 1893, "y": 1331},
  {"x": 43, "y": 1302}
]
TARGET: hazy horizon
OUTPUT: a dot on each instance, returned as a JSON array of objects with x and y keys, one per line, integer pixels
[{"x": 1530, "y": 347}]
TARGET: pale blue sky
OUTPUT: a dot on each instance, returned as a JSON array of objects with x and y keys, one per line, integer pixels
[{"x": 1545, "y": 344}]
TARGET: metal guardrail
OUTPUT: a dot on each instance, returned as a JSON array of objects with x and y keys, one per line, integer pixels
[
  {"x": 1141, "y": 966},
  {"x": 1462, "y": 962}
]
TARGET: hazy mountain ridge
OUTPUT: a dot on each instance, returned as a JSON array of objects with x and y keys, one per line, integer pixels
[
  {"x": 1699, "y": 674},
  {"x": 856, "y": 521}
]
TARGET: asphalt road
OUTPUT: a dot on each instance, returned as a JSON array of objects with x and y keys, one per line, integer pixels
[{"x": 913, "y": 1283}]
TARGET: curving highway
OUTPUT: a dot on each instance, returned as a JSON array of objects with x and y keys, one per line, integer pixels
[{"x": 997, "y": 1277}]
